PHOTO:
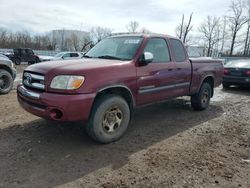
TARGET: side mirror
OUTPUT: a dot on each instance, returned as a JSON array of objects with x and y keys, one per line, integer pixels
[{"x": 146, "y": 58}]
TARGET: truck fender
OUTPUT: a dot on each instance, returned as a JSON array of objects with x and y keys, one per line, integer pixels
[
  {"x": 118, "y": 86},
  {"x": 207, "y": 76}
]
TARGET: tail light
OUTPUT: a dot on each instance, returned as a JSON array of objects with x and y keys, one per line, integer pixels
[
  {"x": 226, "y": 71},
  {"x": 248, "y": 72}
]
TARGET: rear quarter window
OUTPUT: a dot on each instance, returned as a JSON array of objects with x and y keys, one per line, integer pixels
[{"x": 178, "y": 49}]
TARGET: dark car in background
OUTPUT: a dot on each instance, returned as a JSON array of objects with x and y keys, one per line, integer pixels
[
  {"x": 237, "y": 73},
  {"x": 23, "y": 55}
]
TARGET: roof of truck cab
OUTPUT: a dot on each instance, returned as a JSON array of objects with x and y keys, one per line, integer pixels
[{"x": 142, "y": 35}]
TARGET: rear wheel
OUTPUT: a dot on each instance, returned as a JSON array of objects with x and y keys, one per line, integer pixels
[
  {"x": 6, "y": 82},
  {"x": 17, "y": 61},
  {"x": 201, "y": 100},
  {"x": 109, "y": 119}
]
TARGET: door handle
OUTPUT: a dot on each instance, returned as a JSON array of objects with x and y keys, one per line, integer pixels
[
  {"x": 179, "y": 69},
  {"x": 170, "y": 69}
]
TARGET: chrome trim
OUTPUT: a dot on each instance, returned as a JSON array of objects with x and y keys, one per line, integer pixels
[
  {"x": 147, "y": 87},
  {"x": 28, "y": 93},
  {"x": 149, "y": 90},
  {"x": 182, "y": 84},
  {"x": 34, "y": 85},
  {"x": 37, "y": 77},
  {"x": 32, "y": 80}
]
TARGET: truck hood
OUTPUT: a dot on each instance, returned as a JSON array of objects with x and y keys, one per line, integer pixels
[{"x": 78, "y": 66}]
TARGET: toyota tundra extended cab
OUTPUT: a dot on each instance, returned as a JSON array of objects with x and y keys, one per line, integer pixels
[{"x": 118, "y": 74}]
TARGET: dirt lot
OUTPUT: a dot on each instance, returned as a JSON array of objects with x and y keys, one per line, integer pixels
[{"x": 167, "y": 145}]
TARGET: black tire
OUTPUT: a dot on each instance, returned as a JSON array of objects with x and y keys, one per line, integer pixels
[
  {"x": 17, "y": 61},
  {"x": 201, "y": 100},
  {"x": 6, "y": 82},
  {"x": 226, "y": 85},
  {"x": 104, "y": 109}
]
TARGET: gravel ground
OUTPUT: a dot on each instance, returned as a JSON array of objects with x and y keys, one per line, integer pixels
[{"x": 167, "y": 145}]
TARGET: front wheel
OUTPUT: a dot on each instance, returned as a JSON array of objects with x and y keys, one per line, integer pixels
[
  {"x": 201, "y": 100},
  {"x": 6, "y": 82},
  {"x": 109, "y": 119}
]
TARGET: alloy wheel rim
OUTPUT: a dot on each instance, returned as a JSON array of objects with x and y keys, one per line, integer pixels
[
  {"x": 112, "y": 119},
  {"x": 205, "y": 97}
]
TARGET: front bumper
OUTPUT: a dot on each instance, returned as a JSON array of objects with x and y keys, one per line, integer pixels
[{"x": 75, "y": 107}]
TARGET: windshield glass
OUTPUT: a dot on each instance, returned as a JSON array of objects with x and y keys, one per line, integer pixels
[
  {"x": 123, "y": 48},
  {"x": 59, "y": 54}
]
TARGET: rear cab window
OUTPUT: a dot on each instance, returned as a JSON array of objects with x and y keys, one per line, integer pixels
[{"x": 178, "y": 50}]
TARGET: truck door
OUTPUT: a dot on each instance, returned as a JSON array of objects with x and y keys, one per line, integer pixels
[
  {"x": 156, "y": 79},
  {"x": 183, "y": 65}
]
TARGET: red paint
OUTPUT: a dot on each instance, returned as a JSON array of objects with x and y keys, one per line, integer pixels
[{"x": 101, "y": 73}]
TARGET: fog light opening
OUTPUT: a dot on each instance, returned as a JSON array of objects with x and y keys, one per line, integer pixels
[{"x": 56, "y": 114}]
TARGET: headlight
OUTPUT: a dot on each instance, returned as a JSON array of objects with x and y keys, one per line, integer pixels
[{"x": 68, "y": 82}]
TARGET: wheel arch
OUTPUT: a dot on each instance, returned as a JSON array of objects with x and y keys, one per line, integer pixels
[
  {"x": 120, "y": 90},
  {"x": 210, "y": 80},
  {"x": 8, "y": 69}
]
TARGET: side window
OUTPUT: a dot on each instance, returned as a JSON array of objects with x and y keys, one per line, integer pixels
[
  {"x": 66, "y": 55},
  {"x": 159, "y": 48},
  {"x": 23, "y": 52},
  {"x": 178, "y": 49},
  {"x": 74, "y": 55}
]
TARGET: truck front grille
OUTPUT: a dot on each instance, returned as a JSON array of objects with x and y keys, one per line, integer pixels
[{"x": 34, "y": 81}]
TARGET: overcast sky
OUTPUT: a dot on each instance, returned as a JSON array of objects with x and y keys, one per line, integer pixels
[{"x": 159, "y": 16}]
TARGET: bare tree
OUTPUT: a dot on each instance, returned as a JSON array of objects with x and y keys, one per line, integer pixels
[
  {"x": 224, "y": 34},
  {"x": 98, "y": 33},
  {"x": 210, "y": 32},
  {"x": 145, "y": 30},
  {"x": 3, "y": 37},
  {"x": 183, "y": 29},
  {"x": 246, "y": 47},
  {"x": 86, "y": 43},
  {"x": 236, "y": 21},
  {"x": 132, "y": 26},
  {"x": 75, "y": 42}
]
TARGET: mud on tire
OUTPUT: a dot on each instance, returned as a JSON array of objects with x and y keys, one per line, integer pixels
[
  {"x": 201, "y": 100},
  {"x": 109, "y": 119}
]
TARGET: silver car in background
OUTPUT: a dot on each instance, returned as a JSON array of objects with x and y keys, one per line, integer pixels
[{"x": 62, "y": 56}]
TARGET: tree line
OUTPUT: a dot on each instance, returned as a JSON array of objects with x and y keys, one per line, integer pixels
[
  {"x": 227, "y": 35},
  {"x": 64, "y": 40}
]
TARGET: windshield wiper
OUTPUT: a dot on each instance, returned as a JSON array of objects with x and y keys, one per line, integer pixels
[{"x": 109, "y": 57}]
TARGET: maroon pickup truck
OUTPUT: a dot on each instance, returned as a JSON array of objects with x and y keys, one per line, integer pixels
[{"x": 118, "y": 74}]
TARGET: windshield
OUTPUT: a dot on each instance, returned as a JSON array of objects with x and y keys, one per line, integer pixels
[
  {"x": 123, "y": 48},
  {"x": 59, "y": 54}
]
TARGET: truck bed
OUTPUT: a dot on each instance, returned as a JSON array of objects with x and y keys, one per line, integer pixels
[{"x": 203, "y": 67}]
